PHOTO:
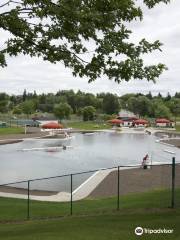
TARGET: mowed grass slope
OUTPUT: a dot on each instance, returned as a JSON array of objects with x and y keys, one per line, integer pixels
[
  {"x": 92, "y": 219},
  {"x": 109, "y": 226},
  {"x": 16, "y": 209}
]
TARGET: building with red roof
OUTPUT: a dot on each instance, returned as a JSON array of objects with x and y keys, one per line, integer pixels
[
  {"x": 128, "y": 121},
  {"x": 163, "y": 122},
  {"x": 116, "y": 122},
  {"x": 140, "y": 123},
  {"x": 127, "y": 117}
]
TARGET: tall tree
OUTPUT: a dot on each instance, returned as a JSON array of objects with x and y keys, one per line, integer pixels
[
  {"x": 168, "y": 97},
  {"x": 111, "y": 104},
  {"x": 58, "y": 30},
  {"x": 177, "y": 95},
  {"x": 4, "y": 102},
  {"x": 3, "y": 106},
  {"x": 160, "y": 110},
  {"x": 89, "y": 113},
  {"x": 174, "y": 106},
  {"x": 24, "y": 95},
  {"x": 140, "y": 105},
  {"x": 28, "y": 107},
  {"x": 159, "y": 95},
  {"x": 62, "y": 110},
  {"x": 149, "y": 95}
]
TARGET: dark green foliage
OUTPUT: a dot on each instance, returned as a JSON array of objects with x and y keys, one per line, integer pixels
[
  {"x": 62, "y": 110},
  {"x": 161, "y": 111},
  {"x": 174, "y": 105},
  {"x": 58, "y": 31},
  {"x": 17, "y": 111},
  {"x": 28, "y": 107},
  {"x": 88, "y": 113},
  {"x": 103, "y": 103},
  {"x": 3, "y": 106},
  {"x": 168, "y": 97},
  {"x": 111, "y": 104},
  {"x": 46, "y": 107},
  {"x": 177, "y": 95},
  {"x": 24, "y": 95},
  {"x": 149, "y": 95},
  {"x": 140, "y": 105}
]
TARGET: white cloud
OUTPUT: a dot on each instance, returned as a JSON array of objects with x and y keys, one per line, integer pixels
[{"x": 159, "y": 23}]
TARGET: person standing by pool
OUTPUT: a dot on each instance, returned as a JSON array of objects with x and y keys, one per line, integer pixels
[{"x": 145, "y": 161}]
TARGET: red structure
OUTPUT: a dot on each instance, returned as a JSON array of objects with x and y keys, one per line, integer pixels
[
  {"x": 162, "y": 120},
  {"x": 116, "y": 121},
  {"x": 141, "y": 122},
  {"x": 52, "y": 125},
  {"x": 127, "y": 121}
]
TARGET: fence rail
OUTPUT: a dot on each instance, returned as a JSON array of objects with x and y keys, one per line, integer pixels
[{"x": 114, "y": 188}]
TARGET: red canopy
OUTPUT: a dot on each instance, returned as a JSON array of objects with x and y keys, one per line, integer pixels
[
  {"x": 162, "y": 120},
  {"x": 141, "y": 121},
  {"x": 115, "y": 121},
  {"x": 52, "y": 125}
]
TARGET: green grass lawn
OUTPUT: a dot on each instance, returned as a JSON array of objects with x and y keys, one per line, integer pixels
[
  {"x": 16, "y": 209},
  {"x": 92, "y": 219},
  {"x": 110, "y": 226},
  {"x": 11, "y": 130},
  {"x": 178, "y": 128},
  {"x": 88, "y": 125}
]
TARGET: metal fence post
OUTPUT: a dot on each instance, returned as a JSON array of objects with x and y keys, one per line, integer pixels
[
  {"x": 71, "y": 192},
  {"x": 28, "y": 201},
  {"x": 118, "y": 188},
  {"x": 173, "y": 183}
]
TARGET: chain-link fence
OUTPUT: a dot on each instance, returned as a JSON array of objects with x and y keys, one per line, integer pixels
[
  {"x": 119, "y": 188},
  {"x": 8, "y": 122}
]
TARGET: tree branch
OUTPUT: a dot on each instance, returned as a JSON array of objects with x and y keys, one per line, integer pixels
[
  {"x": 20, "y": 11},
  {"x": 10, "y": 1},
  {"x": 43, "y": 48},
  {"x": 82, "y": 60},
  {"x": 5, "y": 4}
]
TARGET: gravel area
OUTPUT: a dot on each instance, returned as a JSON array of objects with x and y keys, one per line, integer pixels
[
  {"x": 174, "y": 142},
  {"x": 136, "y": 180}
]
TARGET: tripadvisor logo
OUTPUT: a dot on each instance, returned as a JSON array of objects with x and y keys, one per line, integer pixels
[{"x": 139, "y": 231}]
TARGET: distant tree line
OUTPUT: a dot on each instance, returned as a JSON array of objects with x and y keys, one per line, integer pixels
[{"x": 87, "y": 105}]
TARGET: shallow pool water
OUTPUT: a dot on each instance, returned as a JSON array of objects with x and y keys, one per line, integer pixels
[{"x": 87, "y": 152}]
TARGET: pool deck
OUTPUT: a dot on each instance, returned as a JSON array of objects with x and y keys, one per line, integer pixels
[{"x": 136, "y": 181}]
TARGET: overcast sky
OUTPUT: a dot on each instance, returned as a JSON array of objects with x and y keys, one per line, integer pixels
[{"x": 161, "y": 23}]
